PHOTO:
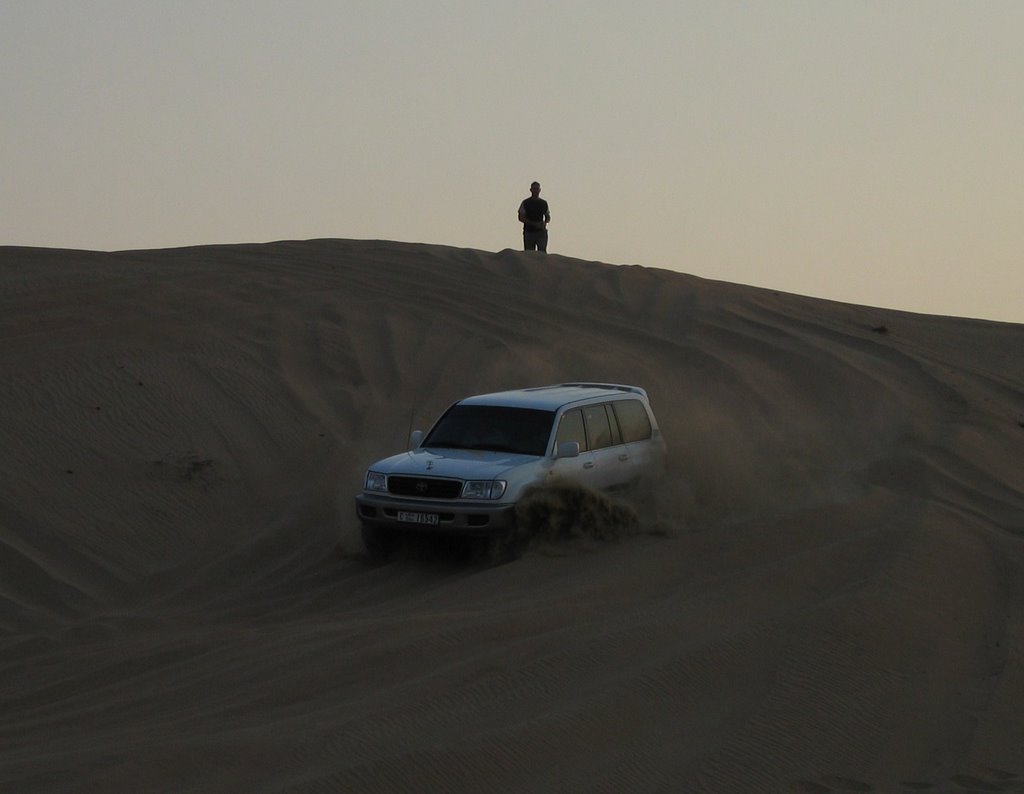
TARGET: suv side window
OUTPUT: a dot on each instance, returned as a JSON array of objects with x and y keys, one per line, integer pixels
[
  {"x": 598, "y": 428},
  {"x": 570, "y": 428},
  {"x": 613, "y": 420},
  {"x": 633, "y": 420}
]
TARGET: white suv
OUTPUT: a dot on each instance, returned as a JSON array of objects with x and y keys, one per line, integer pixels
[{"x": 466, "y": 475}]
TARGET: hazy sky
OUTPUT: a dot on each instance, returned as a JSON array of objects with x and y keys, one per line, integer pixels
[{"x": 864, "y": 151}]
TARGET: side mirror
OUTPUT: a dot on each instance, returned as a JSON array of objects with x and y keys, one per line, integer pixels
[
  {"x": 568, "y": 449},
  {"x": 415, "y": 439}
]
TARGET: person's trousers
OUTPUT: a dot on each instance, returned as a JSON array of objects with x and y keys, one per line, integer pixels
[{"x": 535, "y": 240}]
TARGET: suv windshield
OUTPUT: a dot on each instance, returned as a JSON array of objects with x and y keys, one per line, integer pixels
[{"x": 522, "y": 431}]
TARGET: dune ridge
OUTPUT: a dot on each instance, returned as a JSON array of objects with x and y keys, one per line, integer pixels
[{"x": 824, "y": 593}]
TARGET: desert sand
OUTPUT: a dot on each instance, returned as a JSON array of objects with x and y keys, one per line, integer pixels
[{"x": 825, "y": 594}]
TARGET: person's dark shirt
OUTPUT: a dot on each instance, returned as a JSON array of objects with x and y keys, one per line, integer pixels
[{"x": 535, "y": 209}]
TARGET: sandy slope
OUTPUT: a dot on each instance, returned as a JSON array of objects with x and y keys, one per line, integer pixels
[{"x": 827, "y": 595}]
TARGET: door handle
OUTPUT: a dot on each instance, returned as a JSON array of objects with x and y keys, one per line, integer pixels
[
  {"x": 623, "y": 456},
  {"x": 588, "y": 465}
]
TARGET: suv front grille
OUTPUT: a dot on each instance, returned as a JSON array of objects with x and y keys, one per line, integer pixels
[{"x": 426, "y": 487}]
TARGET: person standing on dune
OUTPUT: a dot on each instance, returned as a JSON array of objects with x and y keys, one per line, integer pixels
[{"x": 535, "y": 217}]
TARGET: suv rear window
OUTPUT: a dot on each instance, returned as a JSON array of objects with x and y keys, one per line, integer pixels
[
  {"x": 598, "y": 429},
  {"x": 522, "y": 431},
  {"x": 634, "y": 422}
]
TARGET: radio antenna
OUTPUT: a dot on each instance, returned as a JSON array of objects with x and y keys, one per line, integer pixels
[{"x": 412, "y": 417}]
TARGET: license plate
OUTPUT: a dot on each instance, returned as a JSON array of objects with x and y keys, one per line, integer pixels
[{"x": 418, "y": 518}]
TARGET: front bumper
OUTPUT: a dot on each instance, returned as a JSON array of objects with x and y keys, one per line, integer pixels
[{"x": 481, "y": 518}]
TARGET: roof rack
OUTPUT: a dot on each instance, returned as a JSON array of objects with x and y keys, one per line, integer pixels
[{"x": 612, "y": 386}]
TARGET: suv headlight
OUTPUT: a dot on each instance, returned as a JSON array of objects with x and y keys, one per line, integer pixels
[
  {"x": 483, "y": 489},
  {"x": 375, "y": 481}
]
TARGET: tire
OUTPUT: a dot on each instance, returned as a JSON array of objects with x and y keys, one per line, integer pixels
[
  {"x": 381, "y": 544},
  {"x": 496, "y": 549}
]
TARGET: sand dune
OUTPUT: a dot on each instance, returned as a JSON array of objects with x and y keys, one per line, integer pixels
[{"x": 826, "y": 594}]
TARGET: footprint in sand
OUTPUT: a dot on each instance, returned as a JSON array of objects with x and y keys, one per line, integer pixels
[
  {"x": 996, "y": 780},
  {"x": 830, "y": 784}
]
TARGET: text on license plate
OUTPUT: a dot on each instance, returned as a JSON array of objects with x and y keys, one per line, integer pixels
[{"x": 418, "y": 518}]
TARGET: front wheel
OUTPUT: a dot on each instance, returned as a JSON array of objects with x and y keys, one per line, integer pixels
[
  {"x": 496, "y": 549},
  {"x": 381, "y": 544}
]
